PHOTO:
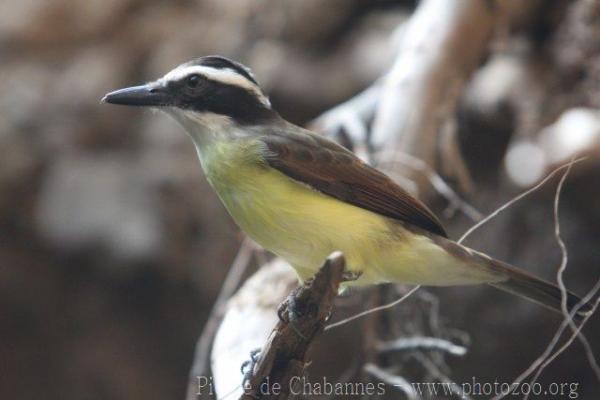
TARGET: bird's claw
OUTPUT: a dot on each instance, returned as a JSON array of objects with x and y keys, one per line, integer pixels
[
  {"x": 351, "y": 276},
  {"x": 288, "y": 313},
  {"x": 247, "y": 367}
]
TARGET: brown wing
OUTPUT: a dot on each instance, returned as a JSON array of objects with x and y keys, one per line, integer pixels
[{"x": 335, "y": 171}]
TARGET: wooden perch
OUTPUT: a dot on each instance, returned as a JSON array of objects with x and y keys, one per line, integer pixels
[
  {"x": 304, "y": 314},
  {"x": 249, "y": 319}
]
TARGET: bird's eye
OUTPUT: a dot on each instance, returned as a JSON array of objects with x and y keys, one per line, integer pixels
[{"x": 192, "y": 81}]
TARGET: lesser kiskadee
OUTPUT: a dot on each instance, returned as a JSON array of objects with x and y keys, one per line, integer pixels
[{"x": 302, "y": 196}]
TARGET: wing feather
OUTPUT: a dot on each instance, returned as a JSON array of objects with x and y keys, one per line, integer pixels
[{"x": 337, "y": 172}]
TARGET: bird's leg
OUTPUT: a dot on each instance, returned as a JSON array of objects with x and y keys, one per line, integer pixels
[{"x": 247, "y": 367}]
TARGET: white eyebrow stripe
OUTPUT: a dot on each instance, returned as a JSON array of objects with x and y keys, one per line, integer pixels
[{"x": 227, "y": 76}]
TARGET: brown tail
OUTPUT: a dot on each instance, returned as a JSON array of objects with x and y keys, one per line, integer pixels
[{"x": 535, "y": 289}]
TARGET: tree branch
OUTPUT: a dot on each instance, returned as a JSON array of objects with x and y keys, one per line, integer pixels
[{"x": 284, "y": 357}]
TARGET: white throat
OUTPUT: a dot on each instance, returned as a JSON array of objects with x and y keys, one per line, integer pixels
[{"x": 205, "y": 129}]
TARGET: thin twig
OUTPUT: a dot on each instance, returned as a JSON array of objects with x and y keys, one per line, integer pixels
[
  {"x": 563, "y": 249},
  {"x": 560, "y": 279},
  {"x": 540, "y": 360},
  {"x": 423, "y": 343},
  {"x": 567, "y": 344},
  {"x": 517, "y": 198},
  {"x": 397, "y": 381},
  {"x": 440, "y": 376},
  {"x": 433, "y": 312},
  {"x": 372, "y": 310},
  {"x": 564, "y": 293},
  {"x": 544, "y": 358},
  {"x": 437, "y": 182}
]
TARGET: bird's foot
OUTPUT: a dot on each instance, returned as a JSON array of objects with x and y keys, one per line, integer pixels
[
  {"x": 351, "y": 276},
  {"x": 289, "y": 313},
  {"x": 282, "y": 312},
  {"x": 247, "y": 367}
]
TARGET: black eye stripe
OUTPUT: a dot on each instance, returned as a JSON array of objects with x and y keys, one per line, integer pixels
[
  {"x": 221, "y": 98},
  {"x": 219, "y": 92}
]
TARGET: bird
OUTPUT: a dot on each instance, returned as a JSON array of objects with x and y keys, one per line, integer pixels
[{"x": 303, "y": 196}]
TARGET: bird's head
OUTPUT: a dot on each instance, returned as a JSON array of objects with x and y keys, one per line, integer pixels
[{"x": 202, "y": 92}]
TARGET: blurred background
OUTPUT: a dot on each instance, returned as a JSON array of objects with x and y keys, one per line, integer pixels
[{"x": 113, "y": 247}]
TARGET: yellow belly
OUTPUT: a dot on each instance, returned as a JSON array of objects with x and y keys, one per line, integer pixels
[
  {"x": 304, "y": 226},
  {"x": 301, "y": 225}
]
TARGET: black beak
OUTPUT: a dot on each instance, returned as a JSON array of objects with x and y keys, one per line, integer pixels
[{"x": 152, "y": 94}]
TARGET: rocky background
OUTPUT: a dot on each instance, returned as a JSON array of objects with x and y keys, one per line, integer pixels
[{"x": 113, "y": 248}]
